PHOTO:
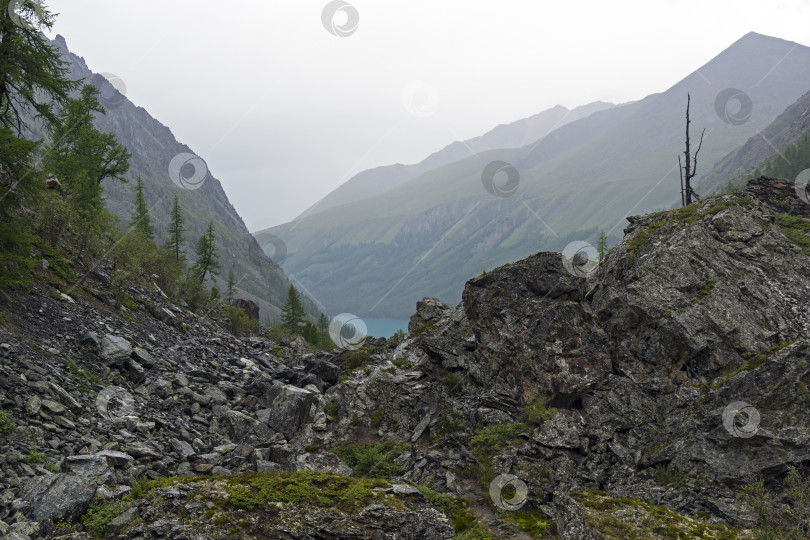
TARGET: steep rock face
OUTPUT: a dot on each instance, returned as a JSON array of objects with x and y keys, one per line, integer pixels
[
  {"x": 536, "y": 334},
  {"x": 714, "y": 283}
]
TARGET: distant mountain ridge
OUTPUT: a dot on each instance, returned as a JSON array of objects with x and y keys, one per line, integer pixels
[
  {"x": 744, "y": 161},
  {"x": 515, "y": 134},
  {"x": 153, "y": 146},
  {"x": 377, "y": 256}
]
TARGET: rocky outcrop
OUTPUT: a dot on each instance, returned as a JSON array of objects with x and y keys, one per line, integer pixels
[
  {"x": 675, "y": 372},
  {"x": 250, "y": 307},
  {"x": 648, "y": 389}
]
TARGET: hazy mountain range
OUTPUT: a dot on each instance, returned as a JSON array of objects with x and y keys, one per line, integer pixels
[
  {"x": 520, "y": 133},
  {"x": 396, "y": 239}
]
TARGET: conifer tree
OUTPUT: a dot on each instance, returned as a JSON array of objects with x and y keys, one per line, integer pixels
[
  {"x": 323, "y": 332},
  {"x": 293, "y": 311},
  {"x": 141, "y": 220},
  {"x": 176, "y": 230},
  {"x": 33, "y": 82},
  {"x": 207, "y": 258},
  {"x": 33, "y": 75},
  {"x": 231, "y": 286},
  {"x": 310, "y": 333},
  {"x": 81, "y": 156},
  {"x": 602, "y": 246}
]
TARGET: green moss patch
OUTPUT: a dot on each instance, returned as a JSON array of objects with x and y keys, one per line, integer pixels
[
  {"x": 683, "y": 216},
  {"x": 796, "y": 229},
  {"x": 489, "y": 441},
  {"x": 253, "y": 490},
  {"x": 534, "y": 522},
  {"x": 629, "y": 518},
  {"x": 464, "y": 521}
]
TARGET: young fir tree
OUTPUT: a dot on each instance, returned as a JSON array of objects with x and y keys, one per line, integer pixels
[
  {"x": 310, "y": 333},
  {"x": 176, "y": 232},
  {"x": 141, "y": 221},
  {"x": 602, "y": 246},
  {"x": 323, "y": 332},
  {"x": 207, "y": 258},
  {"x": 231, "y": 286},
  {"x": 293, "y": 312}
]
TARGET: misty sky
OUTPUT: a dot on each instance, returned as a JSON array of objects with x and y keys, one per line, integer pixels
[{"x": 283, "y": 111}]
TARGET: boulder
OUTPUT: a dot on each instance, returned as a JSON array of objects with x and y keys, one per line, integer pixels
[
  {"x": 115, "y": 348},
  {"x": 571, "y": 519},
  {"x": 287, "y": 408},
  {"x": 93, "y": 468},
  {"x": 237, "y": 425},
  {"x": 59, "y": 496},
  {"x": 325, "y": 462},
  {"x": 250, "y": 307},
  {"x": 428, "y": 311}
]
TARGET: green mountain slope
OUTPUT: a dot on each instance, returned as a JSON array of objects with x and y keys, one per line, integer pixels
[
  {"x": 153, "y": 147},
  {"x": 378, "y": 256},
  {"x": 764, "y": 147}
]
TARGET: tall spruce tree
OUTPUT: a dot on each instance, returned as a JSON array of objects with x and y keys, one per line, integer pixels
[
  {"x": 141, "y": 220},
  {"x": 293, "y": 312},
  {"x": 207, "y": 257},
  {"x": 176, "y": 231}
]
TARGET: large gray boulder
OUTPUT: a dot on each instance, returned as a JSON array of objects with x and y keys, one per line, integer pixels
[
  {"x": 59, "y": 496},
  {"x": 287, "y": 408},
  {"x": 115, "y": 348}
]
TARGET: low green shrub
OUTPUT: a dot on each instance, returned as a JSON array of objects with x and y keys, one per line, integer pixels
[
  {"x": 7, "y": 425},
  {"x": 99, "y": 515},
  {"x": 372, "y": 460},
  {"x": 785, "y": 515}
]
